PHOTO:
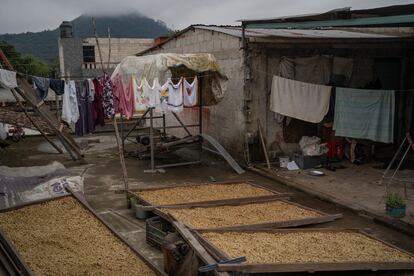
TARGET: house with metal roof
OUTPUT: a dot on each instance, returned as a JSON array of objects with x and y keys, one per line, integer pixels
[{"x": 378, "y": 51}]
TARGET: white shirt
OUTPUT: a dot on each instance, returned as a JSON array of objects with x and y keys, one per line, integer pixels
[
  {"x": 190, "y": 92},
  {"x": 175, "y": 96},
  {"x": 70, "y": 109}
]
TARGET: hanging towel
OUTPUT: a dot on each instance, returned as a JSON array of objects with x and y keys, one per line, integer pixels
[
  {"x": 124, "y": 99},
  {"x": 42, "y": 86},
  {"x": 175, "y": 96},
  {"x": 300, "y": 100},
  {"x": 190, "y": 92},
  {"x": 365, "y": 114},
  {"x": 58, "y": 86},
  {"x": 70, "y": 109},
  {"x": 8, "y": 78}
]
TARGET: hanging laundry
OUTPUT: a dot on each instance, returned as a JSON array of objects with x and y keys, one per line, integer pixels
[
  {"x": 315, "y": 69},
  {"x": 124, "y": 98},
  {"x": 108, "y": 97},
  {"x": 175, "y": 96},
  {"x": 70, "y": 110},
  {"x": 365, "y": 114},
  {"x": 85, "y": 123},
  {"x": 91, "y": 90},
  {"x": 300, "y": 100},
  {"x": 98, "y": 115},
  {"x": 190, "y": 92},
  {"x": 141, "y": 101},
  {"x": 42, "y": 86},
  {"x": 151, "y": 92},
  {"x": 58, "y": 86},
  {"x": 8, "y": 78},
  {"x": 162, "y": 106}
]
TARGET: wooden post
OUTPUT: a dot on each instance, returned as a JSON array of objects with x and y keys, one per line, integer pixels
[
  {"x": 122, "y": 159},
  {"x": 263, "y": 144}
]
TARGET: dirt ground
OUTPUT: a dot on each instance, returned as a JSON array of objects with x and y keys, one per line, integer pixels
[{"x": 103, "y": 178}]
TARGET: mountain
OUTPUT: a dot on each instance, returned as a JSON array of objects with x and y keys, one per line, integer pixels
[{"x": 44, "y": 45}]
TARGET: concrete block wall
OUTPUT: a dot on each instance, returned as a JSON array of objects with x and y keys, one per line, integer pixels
[
  {"x": 224, "y": 121},
  {"x": 70, "y": 56},
  {"x": 120, "y": 47}
]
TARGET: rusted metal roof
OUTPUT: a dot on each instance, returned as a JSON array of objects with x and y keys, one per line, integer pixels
[{"x": 292, "y": 33}]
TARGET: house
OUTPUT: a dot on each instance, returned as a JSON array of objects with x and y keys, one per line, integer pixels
[
  {"x": 380, "y": 48},
  {"x": 80, "y": 57}
]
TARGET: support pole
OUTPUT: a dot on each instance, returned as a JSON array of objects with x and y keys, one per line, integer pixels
[
  {"x": 182, "y": 124},
  {"x": 152, "y": 139},
  {"x": 122, "y": 159}
]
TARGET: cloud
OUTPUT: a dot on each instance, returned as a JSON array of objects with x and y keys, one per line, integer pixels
[{"x": 20, "y": 16}]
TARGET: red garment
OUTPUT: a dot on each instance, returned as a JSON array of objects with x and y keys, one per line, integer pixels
[
  {"x": 98, "y": 115},
  {"x": 124, "y": 97}
]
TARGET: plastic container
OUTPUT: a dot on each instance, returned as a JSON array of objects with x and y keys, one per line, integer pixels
[
  {"x": 283, "y": 161},
  {"x": 140, "y": 213},
  {"x": 308, "y": 162},
  {"x": 156, "y": 231}
]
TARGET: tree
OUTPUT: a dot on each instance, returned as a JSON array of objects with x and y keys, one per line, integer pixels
[{"x": 25, "y": 64}]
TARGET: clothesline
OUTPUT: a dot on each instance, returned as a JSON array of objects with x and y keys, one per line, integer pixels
[{"x": 396, "y": 90}]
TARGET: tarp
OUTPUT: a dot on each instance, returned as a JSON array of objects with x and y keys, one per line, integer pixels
[
  {"x": 19, "y": 185},
  {"x": 160, "y": 65}
]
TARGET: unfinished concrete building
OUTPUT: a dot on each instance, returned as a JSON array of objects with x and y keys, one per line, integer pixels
[{"x": 251, "y": 56}]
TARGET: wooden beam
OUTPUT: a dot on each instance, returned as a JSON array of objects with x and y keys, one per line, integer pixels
[{"x": 197, "y": 247}]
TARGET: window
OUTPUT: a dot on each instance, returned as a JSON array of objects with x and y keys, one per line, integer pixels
[{"x": 88, "y": 53}]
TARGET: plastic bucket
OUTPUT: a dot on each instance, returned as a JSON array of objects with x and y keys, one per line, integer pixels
[{"x": 283, "y": 161}]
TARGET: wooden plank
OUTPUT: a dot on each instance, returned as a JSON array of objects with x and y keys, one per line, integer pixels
[
  {"x": 280, "y": 224},
  {"x": 195, "y": 184},
  {"x": 197, "y": 247},
  {"x": 220, "y": 202}
]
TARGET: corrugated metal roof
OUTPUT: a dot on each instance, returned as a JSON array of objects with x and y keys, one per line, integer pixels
[{"x": 288, "y": 33}]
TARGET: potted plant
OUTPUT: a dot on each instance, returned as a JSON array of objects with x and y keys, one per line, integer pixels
[{"x": 395, "y": 205}]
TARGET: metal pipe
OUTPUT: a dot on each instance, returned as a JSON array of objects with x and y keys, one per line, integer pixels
[
  {"x": 152, "y": 140},
  {"x": 178, "y": 164},
  {"x": 136, "y": 124}
]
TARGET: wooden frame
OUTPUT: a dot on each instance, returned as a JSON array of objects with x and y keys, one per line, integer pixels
[
  {"x": 132, "y": 194},
  {"x": 301, "y": 267},
  {"x": 80, "y": 198},
  {"x": 268, "y": 225}
]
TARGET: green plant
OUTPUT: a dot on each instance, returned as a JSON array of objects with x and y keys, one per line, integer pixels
[{"x": 394, "y": 200}]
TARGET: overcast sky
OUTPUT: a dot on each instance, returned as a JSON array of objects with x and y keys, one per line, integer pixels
[{"x": 37, "y": 15}]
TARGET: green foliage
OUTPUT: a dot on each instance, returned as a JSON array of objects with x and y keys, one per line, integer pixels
[
  {"x": 394, "y": 200},
  {"x": 24, "y": 63}
]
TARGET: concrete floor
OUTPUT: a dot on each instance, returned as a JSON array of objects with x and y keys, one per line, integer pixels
[
  {"x": 357, "y": 186},
  {"x": 103, "y": 177}
]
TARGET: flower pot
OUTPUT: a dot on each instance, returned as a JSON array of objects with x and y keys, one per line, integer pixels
[{"x": 396, "y": 212}]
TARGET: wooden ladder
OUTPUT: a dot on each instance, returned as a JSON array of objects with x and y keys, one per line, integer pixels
[{"x": 29, "y": 95}]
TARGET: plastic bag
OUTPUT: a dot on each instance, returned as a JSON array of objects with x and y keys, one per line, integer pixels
[{"x": 311, "y": 146}]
